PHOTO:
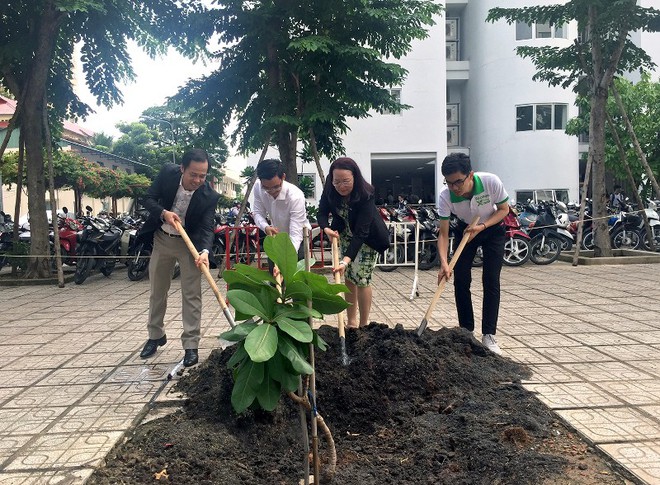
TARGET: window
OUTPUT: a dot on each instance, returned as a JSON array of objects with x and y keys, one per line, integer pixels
[
  {"x": 524, "y": 118},
  {"x": 544, "y": 117},
  {"x": 523, "y": 31},
  {"x": 526, "y": 31},
  {"x": 541, "y": 117},
  {"x": 452, "y": 51},
  {"x": 451, "y": 29},
  {"x": 452, "y": 114},
  {"x": 396, "y": 94}
]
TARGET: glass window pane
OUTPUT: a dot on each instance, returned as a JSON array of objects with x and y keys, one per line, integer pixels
[
  {"x": 543, "y": 195},
  {"x": 523, "y": 31},
  {"x": 562, "y": 195},
  {"x": 544, "y": 117},
  {"x": 560, "y": 31},
  {"x": 523, "y": 196},
  {"x": 524, "y": 118},
  {"x": 560, "y": 116},
  {"x": 543, "y": 31}
]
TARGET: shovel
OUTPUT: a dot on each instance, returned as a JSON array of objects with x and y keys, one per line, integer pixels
[
  {"x": 443, "y": 283},
  {"x": 204, "y": 269},
  {"x": 340, "y": 316}
]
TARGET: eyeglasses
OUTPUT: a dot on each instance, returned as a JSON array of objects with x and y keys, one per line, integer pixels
[
  {"x": 345, "y": 183},
  {"x": 457, "y": 183},
  {"x": 272, "y": 189}
]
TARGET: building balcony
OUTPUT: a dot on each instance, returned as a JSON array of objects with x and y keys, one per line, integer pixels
[{"x": 458, "y": 70}]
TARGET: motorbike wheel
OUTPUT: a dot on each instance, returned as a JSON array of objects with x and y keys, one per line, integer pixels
[
  {"x": 588, "y": 240},
  {"x": 478, "y": 260},
  {"x": 656, "y": 239},
  {"x": 138, "y": 266},
  {"x": 83, "y": 266},
  {"x": 390, "y": 260},
  {"x": 109, "y": 265},
  {"x": 626, "y": 239},
  {"x": 428, "y": 256},
  {"x": 516, "y": 251},
  {"x": 566, "y": 243},
  {"x": 545, "y": 252}
]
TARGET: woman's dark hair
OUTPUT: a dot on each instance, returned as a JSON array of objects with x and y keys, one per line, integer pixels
[{"x": 362, "y": 189}]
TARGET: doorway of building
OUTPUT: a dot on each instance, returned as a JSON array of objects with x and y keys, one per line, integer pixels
[{"x": 413, "y": 176}]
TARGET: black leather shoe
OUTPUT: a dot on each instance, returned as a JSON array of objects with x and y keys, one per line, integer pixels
[
  {"x": 190, "y": 358},
  {"x": 151, "y": 346}
]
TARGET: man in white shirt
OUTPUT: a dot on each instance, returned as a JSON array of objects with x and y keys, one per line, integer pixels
[
  {"x": 468, "y": 194},
  {"x": 282, "y": 203}
]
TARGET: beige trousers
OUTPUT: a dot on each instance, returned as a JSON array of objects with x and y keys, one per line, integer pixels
[{"x": 167, "y": 250}]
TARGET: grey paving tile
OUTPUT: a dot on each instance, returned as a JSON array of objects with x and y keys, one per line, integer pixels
[
  {"x": 608, "y": 425},
  {"x": 641, "y": 458},
  {"x": 572, "y": 354},
  {"x": 645, "y": 337},
  {"x": 633, "y": 392},
  {"x": 40, "y": 396},
  {"x": 27, "y": 421},
  {"x": 70, "y": 376},
  {"x": 111, "y": 417},
  {"x": 601, "y": 338},
  {"x": 649, "y": 366},
  {"x": 98, "y": 360},
  {"x": 60, "y": 477},
  {"x": 32, "y": 362},
  {"x": 551, "y": 373},
  {"x": 65, "y": 451},
  {"x": 10, "y": 444},
  {"x": 133, "y": 392},
  {"x": 16, "y": 379},
  {"x": 630, "y": 352},
  {"x": 547, "y": 340},
  {"x": 572, "y": 395},
  {"x": 607, "y": 371}
]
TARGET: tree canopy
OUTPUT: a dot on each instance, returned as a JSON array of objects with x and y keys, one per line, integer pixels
[{"x": 300, "y": 70}]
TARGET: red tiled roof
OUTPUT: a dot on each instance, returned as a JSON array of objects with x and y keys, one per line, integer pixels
[{"x": 7, "y": 106}]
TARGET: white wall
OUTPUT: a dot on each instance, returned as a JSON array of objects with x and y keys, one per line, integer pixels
[{"x": 500, "y": 80}]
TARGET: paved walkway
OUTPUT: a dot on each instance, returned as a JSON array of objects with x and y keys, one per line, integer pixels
[{"x": 71, "y": 380}]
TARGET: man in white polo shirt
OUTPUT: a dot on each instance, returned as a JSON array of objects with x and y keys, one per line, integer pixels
[
  {"x": 468, "y": 194},
  {"x": 282, "y": 203}
]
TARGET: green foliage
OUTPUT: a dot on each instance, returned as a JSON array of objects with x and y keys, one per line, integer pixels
[
  {"x": 274, "y": 336},
  {"x": 288, "y": 67},
  {"x": 642, "y": 103},
  {"x": 306, "y": 184},
  {"x": 312, "y": 212}
]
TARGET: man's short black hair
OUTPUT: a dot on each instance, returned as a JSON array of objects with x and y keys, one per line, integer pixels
[
  {"x": 456, "y": 162},
  {"x": 194, "y": 155},
  {"x": 269, "y": 168}
]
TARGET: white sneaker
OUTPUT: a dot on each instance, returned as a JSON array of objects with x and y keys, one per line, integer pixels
[{"x": 488, "y": 341}]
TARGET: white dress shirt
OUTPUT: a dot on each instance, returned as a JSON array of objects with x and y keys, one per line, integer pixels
[
  {"x": 286, "y": 212},
  {"x": 179, "y": 207}
]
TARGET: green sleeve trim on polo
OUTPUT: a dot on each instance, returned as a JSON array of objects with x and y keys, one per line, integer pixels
[
  {"x": 502, "y": 202},
  {"x": 445, "y": 218}
]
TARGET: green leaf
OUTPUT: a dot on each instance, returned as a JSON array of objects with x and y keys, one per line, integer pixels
[
  {"x": 292, "y": 353},
  {"x": 280, "y": 249},
  {"x": 298, "y": 290},
  {"x": 319, "y": 342},
  {"x": 282, "y": 371},
  {"x": 290, "y": 381},
  {"x": 248, "y": 378},
  {"x": 298, "y": 311},
  {"x": 239, "y": 332},
  {"x": 239, "y": 356},
  {"x": 298, "y": 330},
  {"x": 261, "y": 343},
  {"x": 238, "y": 280},
  {"x": 253, "y": 273},
  {"x": 247, "y": 303},
  {"x": 328, "y": 304},
  {"x": 269, "y": 392}
]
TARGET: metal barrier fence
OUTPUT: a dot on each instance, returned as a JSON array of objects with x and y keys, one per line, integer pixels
[{"x": 404, "y": 250}]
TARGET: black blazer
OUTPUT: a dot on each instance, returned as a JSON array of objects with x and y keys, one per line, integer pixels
[
  {"x": 200, "y": 220},
  {"x": 367, "y": 226}
]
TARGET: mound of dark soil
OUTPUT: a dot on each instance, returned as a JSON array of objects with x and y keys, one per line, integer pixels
[{"x": 439, "y": 409}]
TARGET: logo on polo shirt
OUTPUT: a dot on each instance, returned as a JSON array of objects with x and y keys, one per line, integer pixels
[{"x": 482, "y": 199}]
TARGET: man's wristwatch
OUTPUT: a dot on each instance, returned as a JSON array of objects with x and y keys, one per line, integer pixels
[{"x": 342, "y": 263}]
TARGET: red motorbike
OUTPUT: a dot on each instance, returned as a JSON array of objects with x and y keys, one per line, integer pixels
[
  {"x": 68, "y": 229},
  {"x": 517, "y": 248}
]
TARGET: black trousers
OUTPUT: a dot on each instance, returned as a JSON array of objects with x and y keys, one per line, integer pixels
[{"x": 491, "y": 241}]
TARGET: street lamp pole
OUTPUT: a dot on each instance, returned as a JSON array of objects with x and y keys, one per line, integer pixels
[{"x": 171, "y": 128}]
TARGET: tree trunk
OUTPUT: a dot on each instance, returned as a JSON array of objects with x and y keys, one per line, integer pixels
[
  {"x": 583, "y": 205},
  {"x": 53, "y": 201},
  {"x": 315, "y": 154},
  {"x": 34, "y": 107},
  {"x": 287, "y": 142},
  {"x": 602, "y": 244},
  {"x": 19, "y": 193}
]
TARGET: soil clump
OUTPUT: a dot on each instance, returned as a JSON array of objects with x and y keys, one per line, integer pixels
[{"x": 436, "y": 409}]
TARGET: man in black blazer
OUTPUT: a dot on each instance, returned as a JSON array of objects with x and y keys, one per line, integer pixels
[{"x": 179, "y": 193}]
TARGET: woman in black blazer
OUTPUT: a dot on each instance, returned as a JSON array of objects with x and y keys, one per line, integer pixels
[{"x": 361, "y": 231}]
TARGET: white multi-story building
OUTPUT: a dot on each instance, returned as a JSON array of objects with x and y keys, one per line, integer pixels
[{"x": 470, "y": 92}]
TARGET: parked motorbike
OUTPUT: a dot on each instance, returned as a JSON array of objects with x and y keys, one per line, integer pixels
[
  {"x": 545, "y": 243},
  {"x": 98, "y": 248},
  {"x": 517, "y": 248}
]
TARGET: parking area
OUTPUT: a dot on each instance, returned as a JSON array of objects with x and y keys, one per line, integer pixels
[{"x": 72, "y": 382}]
